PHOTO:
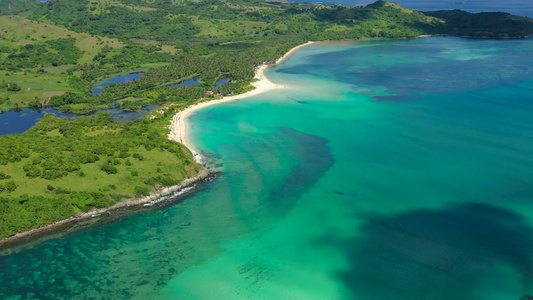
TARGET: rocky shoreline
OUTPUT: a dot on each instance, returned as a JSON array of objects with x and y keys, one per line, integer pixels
[{"x": 41, "y": 233}]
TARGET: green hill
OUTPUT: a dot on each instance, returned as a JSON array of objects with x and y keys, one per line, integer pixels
[{"x": 496, "y": 25}]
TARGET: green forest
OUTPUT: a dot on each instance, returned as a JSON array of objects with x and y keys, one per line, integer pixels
[{"x": 52, "y": 53}]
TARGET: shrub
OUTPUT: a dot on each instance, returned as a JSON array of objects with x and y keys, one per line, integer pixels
[
  {"x": 32, "y": 171},
  {"x": 141, "y": 191},
  {"x": 14, "y": 87},
  {"x": 10, "y": 186},
  {"x": 109, "y": 169},
  {"x": 138, "y": 156}
]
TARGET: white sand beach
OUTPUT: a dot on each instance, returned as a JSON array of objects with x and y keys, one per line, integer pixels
[{"x": 178, "y": 126}]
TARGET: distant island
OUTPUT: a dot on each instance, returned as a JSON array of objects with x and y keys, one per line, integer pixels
[{"x": 53, "y": 53}]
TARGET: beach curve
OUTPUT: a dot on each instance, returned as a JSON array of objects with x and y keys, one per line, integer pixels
[
  {"x": 178, "y": 125},
  {"x": 178, "y": 133}
]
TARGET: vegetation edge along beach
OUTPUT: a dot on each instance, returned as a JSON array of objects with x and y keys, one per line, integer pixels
[
  {"x": 65, "y": 67},
  {"x": 178, "y": 133},
  {"x": 178, "y": 127}
]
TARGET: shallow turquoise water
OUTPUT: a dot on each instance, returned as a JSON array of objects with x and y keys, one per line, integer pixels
[{"x": 386, "y": 169}]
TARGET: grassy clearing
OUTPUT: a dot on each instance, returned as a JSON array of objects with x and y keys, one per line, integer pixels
[
  {"x": 519, "y": 18},
  {"x": 155, "y": 65},
  {"x": 40, "y": 86},
  {"x": 56, "y": 70},
  {"x": 169, "y": 49},
  {"x": 252, "y": 8},
  {"x": 155, "y": 163},
  {"x": 145, "y": 42},
  {"x": 21, "y": 31},
  {"x": 99, "y": 131}
]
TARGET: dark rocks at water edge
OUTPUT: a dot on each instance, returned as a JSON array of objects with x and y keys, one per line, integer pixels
[{"x": 69, "y": 225}]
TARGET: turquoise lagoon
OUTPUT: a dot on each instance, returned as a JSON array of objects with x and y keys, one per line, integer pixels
[{"x": 386, "y": 169}]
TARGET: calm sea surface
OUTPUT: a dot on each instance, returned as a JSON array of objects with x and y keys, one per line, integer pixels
[{"x": 386, "y": 169}]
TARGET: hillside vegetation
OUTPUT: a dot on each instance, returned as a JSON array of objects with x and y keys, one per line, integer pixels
[
  {"x": 496, "y": 25},
  {"x": 62, "y": 167}
]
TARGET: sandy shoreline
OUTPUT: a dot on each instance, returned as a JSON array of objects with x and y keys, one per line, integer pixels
[
  {"x": 178, "y": 133},
  {"x": 178, "y": 125}
]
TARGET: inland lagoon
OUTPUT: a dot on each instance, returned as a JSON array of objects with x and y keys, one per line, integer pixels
[
  {"x": 125, "y": 78},
  {"x": 18, "y": 121},
  {"x": 384, "y": 169}
]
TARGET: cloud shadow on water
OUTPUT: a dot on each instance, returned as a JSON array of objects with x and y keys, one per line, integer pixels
[{"x": 453, "y": 253}]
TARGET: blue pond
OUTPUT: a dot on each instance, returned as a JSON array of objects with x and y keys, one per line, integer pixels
[
  {"x": 97, "y": 88},
  {"x": 221, "y": 82},
  {"x": 192, "y": 81},
  {"x": 18, "y": 121}
]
